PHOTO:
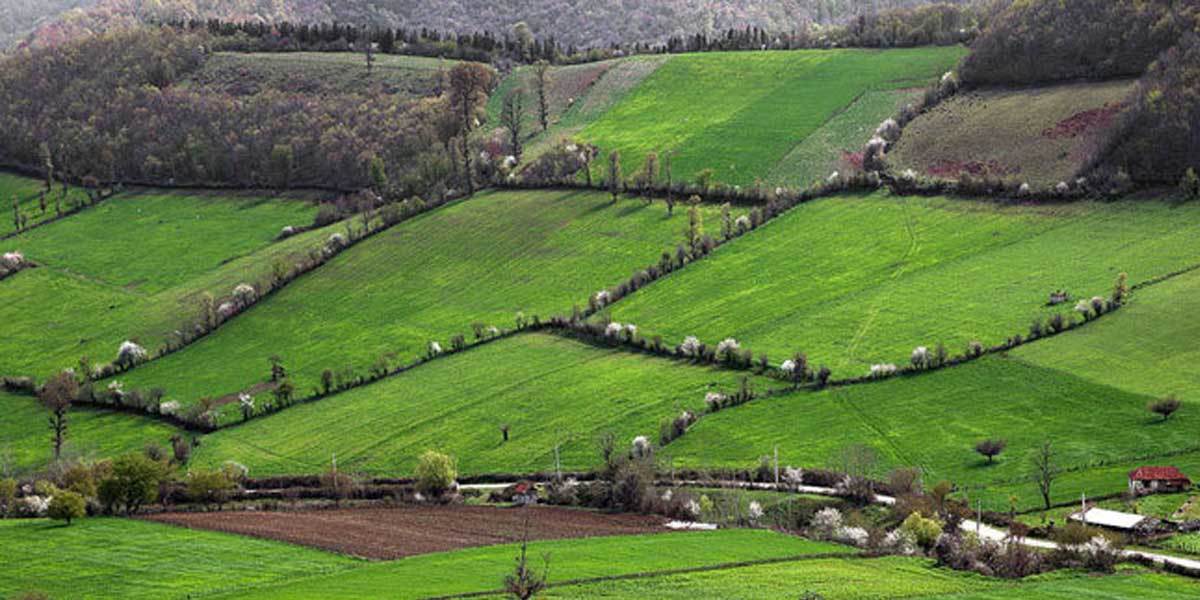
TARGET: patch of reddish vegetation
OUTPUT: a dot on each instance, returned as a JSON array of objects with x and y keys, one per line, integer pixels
[
  {"x": 1083, "y": 122},
  {"x": 391, "y": 533},
  {"x": 975, "y": 168},
  {"x": 853, "y": 159}
]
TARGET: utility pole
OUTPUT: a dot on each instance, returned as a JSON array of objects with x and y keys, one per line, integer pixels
[
  {"x": 978, "y": 518},
  {"x": 776, "y": 465},
  {"x": 557, "y": 465}
]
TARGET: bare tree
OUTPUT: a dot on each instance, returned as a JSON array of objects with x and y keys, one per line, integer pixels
[
  {"x": 524, "y": 583},
  {"x": 57, "y": 396},
  {"x": 541, "y": 81},
  {"x": 1043, "y": 470},
  {"x": 469, "y": 86},
  {"x": 512, "y": 113}
]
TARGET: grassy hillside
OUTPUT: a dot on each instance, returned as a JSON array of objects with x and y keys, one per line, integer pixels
[
  {"x": 134, "y": 267},
  {"x": 483, "y": 569},
  {"x": 1149, "y": 348},
  {"x": 890, "y": 577},
  {"x": 319, "y": 73},
  {"x": 102, "y": 558},
  {"x": 858, "y": 280},
  {"x": 480, "y": 260},
  {"x": 1039, "y": 136},
  {"x": 26, "y": 191},
  {"x": 550, "y": 391},
  {"x": 93, "y": 434},
  {"x": 934, "y": 420},
  {"x": 837, "y": 145},
  {"x": 741, "y": 113}
]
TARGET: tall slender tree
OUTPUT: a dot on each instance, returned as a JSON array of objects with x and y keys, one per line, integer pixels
[
  {"x": 469, "y": 86},
  {"x": 57, "y": 396},
  {"x": 614, "y": 174},
  {"x": 512, "y": 115},
  {"x": 541, "y": 81}
]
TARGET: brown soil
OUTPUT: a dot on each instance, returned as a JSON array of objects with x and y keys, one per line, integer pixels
[{"x": 391, "y": 533}]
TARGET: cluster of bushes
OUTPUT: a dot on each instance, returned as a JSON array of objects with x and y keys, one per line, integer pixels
[{"x": 11, "y": 263}]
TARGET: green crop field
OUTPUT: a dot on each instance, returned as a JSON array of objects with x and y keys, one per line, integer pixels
[
  {"x": 483, "y": 569},
  {"x": 839, "y": 142},
  {"x": 27, "y": 191},
  {"x": 741, "y": 113},
  {"x": 1039, "y": 136},
  {"x": 320, "y": 73},
  {"x": 1123, "y": 586},
  {"x": 933, "y": 421},
  {"x": 134, "y": 268},
  {"x": 25, "y": 434},
  {"x": 858, "y": 280},
  {"x": 551, "y": 391},
  {"x": 480, "y": 260},
  {"x": 101, "y": 558},
  {"x": 1147, "y": 348}
]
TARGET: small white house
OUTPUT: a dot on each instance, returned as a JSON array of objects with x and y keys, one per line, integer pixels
[{"x": 1111, "y": 519}]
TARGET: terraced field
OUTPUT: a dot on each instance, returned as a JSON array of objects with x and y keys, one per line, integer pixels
[
  {"x": 483, "y": 569},
  {"x": 134, "y": 268},
  {"x": 1039, "y": 136},
  {"x": 27, "y": 191},
  {"x": 933, "y": 421},
  {"x": 320, "y": 73},
  {"x": 93, "y": 434},
  {"x": 481, "y": 260},
  {"x": 550, "y": 391},
  {"x": 742, "y": 113},
  {"x": 104, "y": 558},
  {"x": 859, "y": 280}
]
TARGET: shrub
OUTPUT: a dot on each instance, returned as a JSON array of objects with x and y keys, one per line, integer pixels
[
  {"x": 825, "y": 523},
  {"x": 133, "y": 482},
  {"x": 66, "y": 506},
  {"x": 209, "y": 487},
  {"x": 920, "y": 357},
  {"x": 613, "y": 330},
  {"x": 640, "y": 447},
  {"x": 851, "y": 536},
  {"x": 1165, "y": 406},
  {"x": 923, "y": 531},
  {"x": 690, "y": 347},
  {"x": 78, "y": 478},
  {"x": 727, "y": 350},
  {"x": 337, "y": 241},
  {"x": 130, "y": 353},
  {"x": 434, "y": 349},
  {"x": 436, "y": 473},
  {"x": 881, "y": 371},
  {"x": 889, "y": 130}
]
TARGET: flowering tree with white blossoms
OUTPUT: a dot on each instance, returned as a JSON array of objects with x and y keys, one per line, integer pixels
[
  {"x": 690, "y": 346},
  {"x": 129, "y": 354},
  {"x": 727, "y": 349},
  {"x": 434, "y": 349}
]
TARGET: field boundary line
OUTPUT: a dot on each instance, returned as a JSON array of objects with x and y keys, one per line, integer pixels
[{"x": 670, "y": 572}]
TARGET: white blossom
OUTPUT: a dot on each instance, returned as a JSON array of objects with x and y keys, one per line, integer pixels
[
  {"x": 631, "y": 329},
  {"x": 35, "y": 506},
  {"x": 793, "y": 476},
  {"x": 129, "y": 353},
  {"x": 888, "y": 130},
  {"x": 667, "y": 495},
  {"x": 833, "y": 177},
  {"x": 728, "y": 345},
  {"x": 693, "y": 508},
  {"x": 14, "y": 259},
  {"x": 852, "y": 536},
  {"x": 742, "y": 223},
  {"x": 246, "y": 400},
  {"x": 287, "y": 231},
  {"x": 244, "y": 293},
  {"x": 116, "y": 388},
  {"x": 755, "y": 511},
  {"x": 900, "y": 542},
  {"x": 641, "y": 446},
  {"x": 788, "y": 366},
  {"x": 493, "y": 331},
  {"x": 883, "y": 370},
  {"x": 613, "y": 329},
  {"x": 690, "y": 346},
  {"x": 226, "y": 309},
  {"x": 714, "y": 400},
  {"x": 825, "y": 522},
  {"x": 1062, "y": 187},
  {"x": 909, "y": 175},
  {"x": 435, "y": 348},
  {"x": 338, "y": 240},
  {"x": 603, "y": 297},
  {"x": 169, "y": 407},
  {"x": 1024, "y": 190},
  {"x": 920, "y": 356},
  {"x": 510, "y": 161}
]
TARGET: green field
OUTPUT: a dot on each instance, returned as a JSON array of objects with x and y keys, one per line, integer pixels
[
  {"x": 741, "y": 113},
  {"x": 92, "y": 434},
  {"x": 100, "y": 558},
  {"x": 320, "y": 73},
  {"x": 551, "y": 391},
  {"x": 134, "y": 268},
  {"x": 26, "y": 191},
  {"x": 480, "y": 260},
  {"x": 483, "y": 569},
  {"x": 828, "y": 149},
  {"x": 934, "y": 420},
  {"x": 1149, "y": 348},
  {"x": 858, "y": 280},
  {"x": 1012, "y": 134}
]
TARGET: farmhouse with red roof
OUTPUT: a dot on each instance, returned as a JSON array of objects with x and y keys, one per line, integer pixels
[{"x": 1153, "y": 480}]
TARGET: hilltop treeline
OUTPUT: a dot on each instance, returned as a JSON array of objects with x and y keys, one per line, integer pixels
[
  {"x": 575, "y": 23},
  {"x": 104, "y": 106},
  {"x": 941, "y": 24}
]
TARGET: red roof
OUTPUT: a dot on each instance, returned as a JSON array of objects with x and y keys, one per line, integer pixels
[{"x": 1157, "y": 474}]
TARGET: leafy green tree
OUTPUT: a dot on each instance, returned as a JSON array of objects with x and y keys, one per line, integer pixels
[
  {"x": 924, "y": 531},
  {"x": 133, "y": 483},
  {"x": 283, "y": 163},
  {"x": 1165, "y": 407},
  {"x": 436, "y": 473},
  {"x": 66, "y": 506},
  {"x": 377, "y": 173}
]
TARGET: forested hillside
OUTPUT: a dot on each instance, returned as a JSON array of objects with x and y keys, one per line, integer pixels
[{"x": 579, "y": 23}]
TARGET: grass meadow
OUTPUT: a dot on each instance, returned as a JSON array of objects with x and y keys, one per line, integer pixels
[
  {"x": 933, "y": 421},
  {"x": 100, "y": 558},
  {"x": 858, "y": 280},
  {"x": 135, "y": 267},
  {"x": 550, "y": 391},
  {"x": 740, "y": 113},
  {"x": 26, "y": 191},
  {"x": 1039, "y": 136},
  {"x": 483, "y": 569},
  {"x": 481, "y": 260},
  {"x": 321, "y": 73},
  {"x": 93, "y": 434}
]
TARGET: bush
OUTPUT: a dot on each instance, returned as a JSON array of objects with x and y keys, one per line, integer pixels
[
  {"x": 66, "y": 506},
  {"x": 209, "y": 487},
  {"x": 923, "y": 531},
  {"x": 436, "y": 473},
  {"x": 133, "y": 482},
  {"x": 1165, "y": 407}
]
